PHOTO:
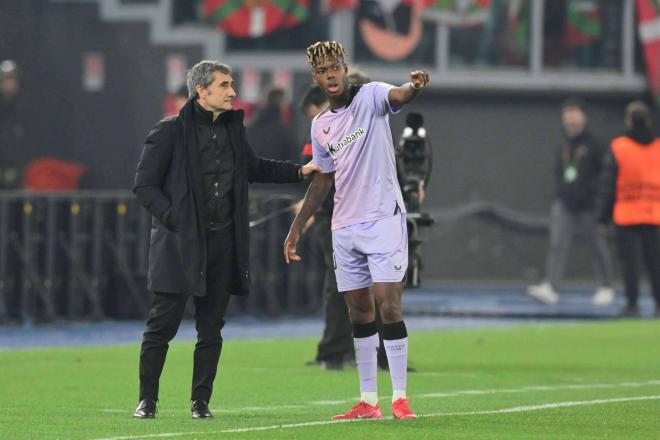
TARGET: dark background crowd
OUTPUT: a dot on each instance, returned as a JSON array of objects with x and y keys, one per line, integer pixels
[{"x": 513, "y": 178}]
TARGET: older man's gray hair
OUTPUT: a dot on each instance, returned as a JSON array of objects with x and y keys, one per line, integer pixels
[{"x": 201, "y": 74}]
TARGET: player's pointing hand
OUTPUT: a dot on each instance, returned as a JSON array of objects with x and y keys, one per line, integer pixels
[{"x": 419, "y": 79}]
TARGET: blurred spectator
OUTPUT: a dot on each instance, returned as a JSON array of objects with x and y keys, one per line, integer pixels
[
  {"x": 13, "y": 126},
  {"x": 174, "y": 102},
  {"x": 577, "y": 170},
  {"x": 312, "y": 103},
  {"x": 496, "y": 35},
  {"x": 335, "y": 349},
  {"x": 583, "y": 33},
  {"x": 357, "y": 77},
  {"x": 268, "y": 134},
  {"x": 631, "y": 197}
]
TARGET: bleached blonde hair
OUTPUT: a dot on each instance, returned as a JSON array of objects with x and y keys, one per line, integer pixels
[{"x": 324, "y": 50}]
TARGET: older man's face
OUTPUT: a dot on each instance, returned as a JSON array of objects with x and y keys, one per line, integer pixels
[{"x": 218, "y": 95}]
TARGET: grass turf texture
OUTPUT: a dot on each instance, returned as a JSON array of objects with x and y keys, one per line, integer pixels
[{"x": 86, "y": 393}]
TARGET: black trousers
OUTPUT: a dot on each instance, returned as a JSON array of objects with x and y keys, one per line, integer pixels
[
  {"x": 167, "y": 312},
  {"x": 337, "y": 341},
  {"x": 629, "y": 240}
]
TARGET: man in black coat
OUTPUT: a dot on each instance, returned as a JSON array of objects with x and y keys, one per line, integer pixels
[{"x": 193, "y": 178}]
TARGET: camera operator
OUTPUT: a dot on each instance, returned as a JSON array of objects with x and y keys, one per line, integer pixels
[{"x": 414, "y": 162}]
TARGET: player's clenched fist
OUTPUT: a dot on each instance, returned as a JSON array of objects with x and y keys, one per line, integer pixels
[{"x": 419, "y": 79}]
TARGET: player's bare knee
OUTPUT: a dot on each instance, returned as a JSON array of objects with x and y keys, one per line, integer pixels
[
  {"x": 391, "y": 311},
  {"x": 361, "y": 311},
  {"x": 361, "y": 315}
]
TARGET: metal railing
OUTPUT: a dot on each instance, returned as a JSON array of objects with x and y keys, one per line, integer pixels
[{"x": 84, "y": 255}]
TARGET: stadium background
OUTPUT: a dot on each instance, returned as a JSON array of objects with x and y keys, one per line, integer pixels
[{"x": 96, "y": 74}]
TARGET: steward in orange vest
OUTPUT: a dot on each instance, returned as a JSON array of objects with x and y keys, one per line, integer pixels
[
  {"x": 638, "y": 182},
  {"x": 632, "y": 180},
  {"x": 631, "y": 197}
]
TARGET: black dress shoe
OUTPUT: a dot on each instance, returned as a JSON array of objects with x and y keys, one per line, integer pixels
[
  {"x": 200, "y": 410},
  {"x": 145, "y": 410},
  {"x": 332, "y": 365}
]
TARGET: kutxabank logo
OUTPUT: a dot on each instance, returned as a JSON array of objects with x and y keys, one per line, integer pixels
[{"x": 334, "y": 149}]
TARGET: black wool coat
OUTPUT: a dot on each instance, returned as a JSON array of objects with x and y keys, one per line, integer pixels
[{"x": 168, "y": 183}]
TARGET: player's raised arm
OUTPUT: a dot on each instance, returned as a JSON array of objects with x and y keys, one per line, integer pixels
[{"x": 398, "y": 96}]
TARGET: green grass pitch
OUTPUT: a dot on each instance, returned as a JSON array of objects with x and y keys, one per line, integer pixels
[{"x": 586, "y": 380}]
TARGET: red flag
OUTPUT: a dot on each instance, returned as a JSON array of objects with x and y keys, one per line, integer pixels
[
  {"x": 338, "y": 5},
  {"x": 648, "y": 14}
]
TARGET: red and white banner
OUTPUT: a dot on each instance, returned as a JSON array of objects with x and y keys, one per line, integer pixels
[
  {"x": 255, "y": 18},
  {"x": 283, "y": 79},
  {"x": 648, "y": 14},
  {"x": 250, "y": 85},
  {"x": 176, "y": 67}
]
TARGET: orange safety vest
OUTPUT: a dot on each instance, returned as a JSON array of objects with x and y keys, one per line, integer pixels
[{"x": 638, "y": 182}]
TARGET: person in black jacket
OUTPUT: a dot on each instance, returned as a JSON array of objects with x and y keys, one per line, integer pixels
[
  {"x": 577, "y": 171},
  {"x": 268, "y": 133},
  {"x": 192, "y": 178}
]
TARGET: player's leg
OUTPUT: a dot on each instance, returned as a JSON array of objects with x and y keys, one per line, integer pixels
[
  {"x": 388, "y": 263},
  {"x": 336, "y": 345},
  {"x": 395, "y": 339},
  {"x": 365, "y": 338},
  {"x": 395, "y": 336},
  {"x": 353, "y": 280}
]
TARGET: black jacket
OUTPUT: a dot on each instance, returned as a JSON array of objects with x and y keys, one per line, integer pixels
[
  {"x": 168, "y": 184},
  {"x": 585, "y": 154},
  {"x": 607, "y": 191}
]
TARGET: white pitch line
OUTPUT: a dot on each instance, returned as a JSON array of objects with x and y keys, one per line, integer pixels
[
  {"x": 515, "y": 409},
  {"x": 431, "y": 395},
  {"x": 540, "y": 388},
  {"x": 519, "y": 409},
  {"x": 329, "y": 402}
]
